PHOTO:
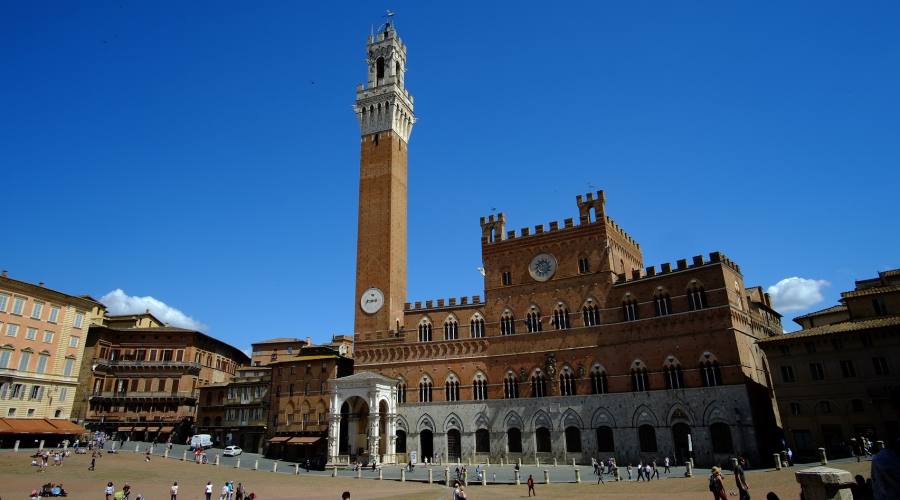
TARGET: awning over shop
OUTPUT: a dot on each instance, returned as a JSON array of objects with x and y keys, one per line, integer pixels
[
  {"x": 279, "y": 439},
  {"x": 304, "y": 440},
  {"x": 38, "y": 426},
  {"x": 166, "y": 429},
  {"x": 153, "y": 428},
  {"x": 124, "y": 428},
  {"x": 67, "y": 427}
]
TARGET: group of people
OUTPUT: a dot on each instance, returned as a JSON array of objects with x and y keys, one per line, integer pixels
[
  {"x": 228, "y": 491},
  {"x": 50, "y": 490},
  {"x": 717, "y": 482},
  {"x": 42, "y": 458},
  {"x": 646, "y": 470}
]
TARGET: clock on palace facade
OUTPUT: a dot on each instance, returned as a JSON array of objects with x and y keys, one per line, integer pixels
[
  {"x": 542, "y": 267},
  {"x": 372, "y": 301}
]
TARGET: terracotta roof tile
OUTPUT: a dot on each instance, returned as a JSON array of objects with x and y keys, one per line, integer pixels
[{"x": 847, "y": 326}]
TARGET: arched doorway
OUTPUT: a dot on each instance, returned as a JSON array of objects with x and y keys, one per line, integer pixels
[
  {"x": 354, "y": 425},
  {"x": 605, "y": 442},
  {"x": 426, "y": 445},
  {"x": 680, "y": 433},
  {"x": 647, "y": 438},
  {"x": 482, "y": 441},
  {"x": 454, "y": 445},
  {"x": 514, "y": 440},
  {"x": 573, "y": 440},
  {"x": 400, "y": 444},
  {"x": 542, "y": 440}
]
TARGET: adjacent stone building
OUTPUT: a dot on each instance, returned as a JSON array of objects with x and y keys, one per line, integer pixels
[
  {"x": 837, "y": 378},
  {"x": 575, "y": 349},
  {"x": 141, "y": 378}
]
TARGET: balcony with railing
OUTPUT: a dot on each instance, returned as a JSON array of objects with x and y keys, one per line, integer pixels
[
  {"x": 170, "y": 396},
  {"x": 137, "y": 365}
]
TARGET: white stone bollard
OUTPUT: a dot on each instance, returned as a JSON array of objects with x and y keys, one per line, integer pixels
[
  {"x": 237, "y": 465},
  {"x": 184, "y": 456},
  {"x": 537, "y": 461},
  {"x": 166, "y": 453},
  {"x": 573, "y": 462},
  {"x": 825, "y": 483},
  {"x": 274, "y": 466},
  {"x": 359, "y": 473},
  {"x": 555, "y": 464},
  {"x": 823, "y": 458},
  {"x": 518, "y": 479},
  {"x": 447, "y": 475},
  {"x": 402, "y": 475},
  {"x": 137, "y": 448},
  {"x": 577, "y": 475},
  {"x": 484, "y": 478},
  {"x": 380, "y": 474},
  {"x": 41, "y": 445},
  {"x": 217, "y": 460},
  {"x": 296, "y": 469},
  {"x": 16, "y": 447},
  {"x": 256, "y": 464},
  {"x": 777, "y": 457},
  {"x": 430, "y": 476},
  {"x": 546, "y": 476},
  {"x": 334, "y": 471}
]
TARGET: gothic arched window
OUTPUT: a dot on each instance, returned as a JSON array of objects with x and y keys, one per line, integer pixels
[
  {"x": 479, "y": 387},
  {"x": 640, "y": 381},
  {"x": 598, "y": 380},
  {"x": 451, "y": 329},
  {"x": 401, "y": 391},
  {"x": 696, "y": 296},
  {"x": 710, "y": 373},
  {"x": 507, "y": 323},
  {"x": 673, "y": 374},
  {"x": 590, "y": 313},
  {"x": 561, "y": 317},
  {"x": 538, "y": 385},
  {"x": 510, "y": 386},
  {"x": 477, "y": 326},
  {"x": 425, "y": 386},
  {"x": 425, "y": 330},
  {"x": 630, "y": 309},
  {"x": 662, "y": 302},
  {"x": 567, "y": 382},
  {"x": 533, "y": 320},
  {"x": 451, "y": 388}
]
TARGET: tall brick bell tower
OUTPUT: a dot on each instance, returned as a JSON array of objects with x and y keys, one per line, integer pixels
[{"x": 385, "y": 112}]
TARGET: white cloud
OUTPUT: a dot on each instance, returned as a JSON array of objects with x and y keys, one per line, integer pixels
[
  {"x": 118, "y": 302},
  {"x": 794, "y": 294}
]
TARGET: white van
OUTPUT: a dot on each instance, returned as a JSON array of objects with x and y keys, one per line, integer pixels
[{"x": 201, "y": 441}]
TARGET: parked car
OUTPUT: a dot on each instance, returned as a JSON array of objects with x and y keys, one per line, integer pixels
[{"x": 232, "y": 451}]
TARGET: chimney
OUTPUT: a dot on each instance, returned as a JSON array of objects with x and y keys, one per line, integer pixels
[
  {"x": 4, "y": 274},
  {"x": 41, "y": 284},
  {"x": 309, "y": 341}
]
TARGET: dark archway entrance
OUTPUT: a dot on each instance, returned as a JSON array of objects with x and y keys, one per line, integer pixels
[
  {"x": 542, "y": 440},
  {"x": 605, "y": 440},
  {"x": 482, "y": 441},
  {"x": 573, "y": 440},
  {"x": 400, "y": 444},
  {"x": 454, "y": 445},
  {"x": 647, "y": 438},
  {"x": 514, "y": 440},
  {"x": 680, "y": 433},
  {"x": 426, "y": 445}
]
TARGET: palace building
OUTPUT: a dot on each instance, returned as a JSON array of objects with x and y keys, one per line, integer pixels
[{"x": 575, "y": 349}]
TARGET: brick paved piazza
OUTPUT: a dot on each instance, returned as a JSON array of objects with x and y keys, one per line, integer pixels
[{"x": 153, "y": 479}]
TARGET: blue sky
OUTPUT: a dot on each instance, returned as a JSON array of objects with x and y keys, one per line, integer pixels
[{"x": 206, "y": 153}]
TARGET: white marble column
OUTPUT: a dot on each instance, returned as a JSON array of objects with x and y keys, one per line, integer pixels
[
  {"x": 374, "y": 437},
  {"x": 334, "y": 437}
]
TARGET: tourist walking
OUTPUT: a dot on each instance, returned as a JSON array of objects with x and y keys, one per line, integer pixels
[
  {"x": 640, "y": 471},
  {"x": 239, "y": 492},
  {"x": 740, "y": 480},
  {"x": 109, "y": 490},
  {"x": 647, "y": 471},
  {"x": 666, "y": 465},
  {"x": 93, "y": 463},
  {"x": 655, "y": 470},
  {"x": 173, "y": 491},
  {"x": 530, "y": 483},
  {"x": 628, "y": 470},
  {"x": 208, "y": 490},
  {"x": 716, "y": 485}
]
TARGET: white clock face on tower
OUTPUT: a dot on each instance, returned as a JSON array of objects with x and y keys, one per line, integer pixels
[
  {"x": 372, "y": 301},
  {"x": 542, "y": 267}
]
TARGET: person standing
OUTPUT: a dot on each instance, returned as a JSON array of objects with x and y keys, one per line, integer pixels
[
  {"x": 109, "y": 490},
  {"x": 93, "y": 463},
  {"x": 647, "y": 471},
  {"x": 173, "y": 491},
  {"x": 666, "y": 465},
  {"x": 655, "y": 470},
  {"x": 223, "y": 495},
  {"x": 530, "y": 483},
  {"x": 628, "y": 470},
  {"x": 208, "y": 490},
  {"x": 239, "y": 493},
  {"x": 640, "y": 471},
  {"x": 741, "y": 480},
  {"x": 716, "y": 485}
]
